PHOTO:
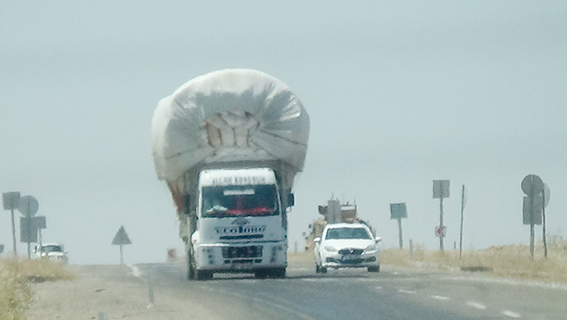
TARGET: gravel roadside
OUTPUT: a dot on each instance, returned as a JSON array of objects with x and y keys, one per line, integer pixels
[{"x": 110, "y": 289}]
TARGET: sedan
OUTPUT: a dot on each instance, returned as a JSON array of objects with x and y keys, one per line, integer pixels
[{"x": 346, "y": 245}]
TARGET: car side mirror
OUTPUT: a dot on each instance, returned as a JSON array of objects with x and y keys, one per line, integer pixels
[
  {"x": 378, "y": 239},
  {"x": 317, "y": 240}
]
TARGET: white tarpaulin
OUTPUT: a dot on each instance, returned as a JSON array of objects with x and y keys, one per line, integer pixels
[{"x": 228, "y": 115}]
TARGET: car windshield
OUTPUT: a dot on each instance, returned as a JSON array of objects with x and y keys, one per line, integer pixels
[
  {"x": 51, "y": 248},
  {"x": 347, "y": 233},
  {"x": 250, "y": 200}
]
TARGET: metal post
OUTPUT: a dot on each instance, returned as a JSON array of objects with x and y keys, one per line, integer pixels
[
  {"x": 532, "y": 230},
  {"x": 543, "y": 222},
  {"x": 462, "y": 219},
  {"x": 411, "y": 249},
  {"x": 400, "y": 233},
  {"x": 14, "y": 233},
  {"x": 30, "y": 221},
  {"x": 121, "y": 256},
  {"x": 441, "y": 247}
]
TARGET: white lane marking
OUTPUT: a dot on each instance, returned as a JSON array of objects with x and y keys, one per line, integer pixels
[
  {"x": 135, "y": 270},
  {"x": 378, "y": 288},
  {"x": 406, "y": 291},
  {"x": 511, "y": 314},
  {"x": 441, "y": 298},
  {"x": 279, "y": 306},
  {"x": 320, "y": 280},
  {"x": 476, "y": 305}
]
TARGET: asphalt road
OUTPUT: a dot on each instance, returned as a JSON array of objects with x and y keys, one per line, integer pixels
[{"x": 394, "y": 293}]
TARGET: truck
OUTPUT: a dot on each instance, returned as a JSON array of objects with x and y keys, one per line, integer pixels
[{"x": 229, "y": 145}]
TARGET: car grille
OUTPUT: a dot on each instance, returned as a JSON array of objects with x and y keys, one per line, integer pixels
[{"x": 352, "y": 251}]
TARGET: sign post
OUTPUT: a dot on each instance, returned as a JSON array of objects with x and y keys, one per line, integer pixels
[
  {"x": 120, "y": 239},
  {"x": 399, "y": 211},
  {"x": 463, "y": 201},
  {"x": 441, "y": 191},
  {"x": 10, "y": 201},
  {"x": 546, "y": 194},
  {"x": 532, "y": 185}
]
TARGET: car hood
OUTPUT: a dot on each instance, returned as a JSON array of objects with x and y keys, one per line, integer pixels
[{"x": 349, "y": 243}]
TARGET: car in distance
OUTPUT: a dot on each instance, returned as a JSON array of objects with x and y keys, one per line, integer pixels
[
  {"x": 51, "y": 251},
  {"x": 346, "y": 245}
]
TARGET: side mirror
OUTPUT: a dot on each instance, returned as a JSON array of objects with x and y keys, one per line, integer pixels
[
  {"x": 290, "y": 200},
  {"x": 317, "y": 240},
  {"x": 378, "y": 239}
]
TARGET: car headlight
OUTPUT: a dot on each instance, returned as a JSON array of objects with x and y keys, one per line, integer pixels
[
  {"x": 330, "y": 249},
  {"x": 371, "y": 247}
]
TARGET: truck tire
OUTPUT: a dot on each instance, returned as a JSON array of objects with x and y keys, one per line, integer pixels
[
  {"x": 190, "y": 266},
  {"x": 261, "y": 274},
  {"x": 323, "y": 269},
  {"x": 277, "y": 273}
]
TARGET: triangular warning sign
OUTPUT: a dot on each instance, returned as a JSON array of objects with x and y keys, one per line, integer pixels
[{"x": 121, "y": 237}]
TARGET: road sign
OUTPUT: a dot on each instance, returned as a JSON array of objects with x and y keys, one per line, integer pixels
[
  {"x": 28, "y": 206},
  {"x": 398, "y": 210},
  {"x": 28, "y": 230},
  {"x": 439, "y": 233},
  {"x": 121, "y": 237},
  {"x": 10, "y": 200},
  {"x": 441, "y": 189},
  {"x": 532, "y": 185}
]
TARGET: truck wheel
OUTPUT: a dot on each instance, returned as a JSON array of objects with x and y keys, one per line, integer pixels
[
  {"x": 260, "y": 274},
  {"x": 317, "y": 268},
  {"x": 190, "y": 266},
  {"x": 277, "y": 273},
  {"x": 323, "y": 269}
]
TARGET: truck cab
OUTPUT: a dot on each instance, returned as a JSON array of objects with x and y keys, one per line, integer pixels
[{"x": 241, "y": 224}]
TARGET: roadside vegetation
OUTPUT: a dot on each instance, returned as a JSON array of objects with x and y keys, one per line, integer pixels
[
  {"x": 509, "y": 261},
  {"x": 15, "y": 278}
]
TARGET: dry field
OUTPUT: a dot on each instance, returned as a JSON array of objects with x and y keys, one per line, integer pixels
[
  {"x": 15, "y": 276},
  {"x": 509, "y": 261}
]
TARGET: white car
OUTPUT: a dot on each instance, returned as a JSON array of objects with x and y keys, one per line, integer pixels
[
  {"x": 346, "y": 245},
  {"x": 51, "y": 251}
]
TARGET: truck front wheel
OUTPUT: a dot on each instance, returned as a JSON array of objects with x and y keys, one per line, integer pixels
[
  {"x": 277, "y": 273},
  {"x": 190, "y": 266}
]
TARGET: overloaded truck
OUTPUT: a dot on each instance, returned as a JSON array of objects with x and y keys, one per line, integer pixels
[{"x": 229, "y": 145}]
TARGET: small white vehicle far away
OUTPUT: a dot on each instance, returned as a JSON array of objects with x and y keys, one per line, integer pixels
[
  {"x": 51, "y": 251},
  {"x": 347, "y": 245}
]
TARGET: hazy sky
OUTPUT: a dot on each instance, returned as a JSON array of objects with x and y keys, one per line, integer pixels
[{"x": 399, "y": 93}]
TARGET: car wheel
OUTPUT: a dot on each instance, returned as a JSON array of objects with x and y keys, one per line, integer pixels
[{"x": 374, "y": 268}]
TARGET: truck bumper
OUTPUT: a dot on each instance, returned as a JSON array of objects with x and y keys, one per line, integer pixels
[{"x": 246, "y": 257}]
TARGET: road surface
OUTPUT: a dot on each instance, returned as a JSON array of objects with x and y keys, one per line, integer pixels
[
  {"x": 161, "y": 291},
  {"x": 356, "y": 294}
]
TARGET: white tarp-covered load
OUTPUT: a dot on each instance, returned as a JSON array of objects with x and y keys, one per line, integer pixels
[{"x": 226, "y": 116}]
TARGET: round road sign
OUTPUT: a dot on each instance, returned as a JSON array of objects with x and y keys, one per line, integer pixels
[
  {"x": 28, "y": 206},
  {"x": 532, "y": 185}
]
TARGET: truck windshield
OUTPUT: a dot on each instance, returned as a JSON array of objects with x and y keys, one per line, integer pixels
[{"x": 249, "y": 200}]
